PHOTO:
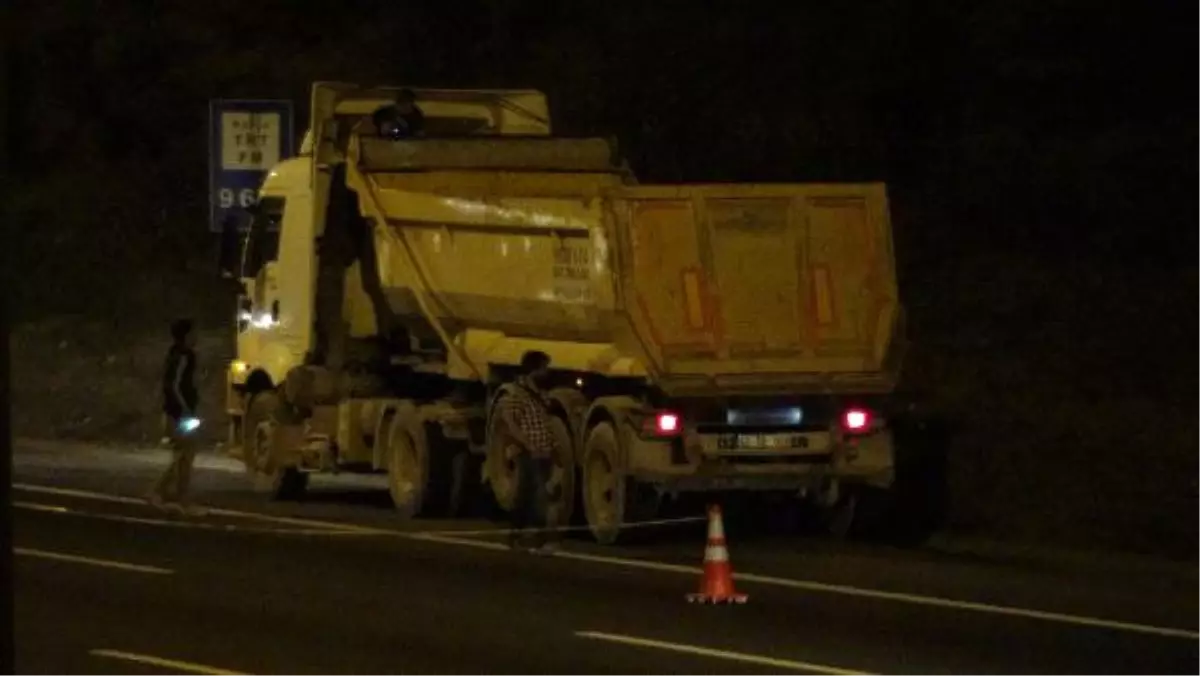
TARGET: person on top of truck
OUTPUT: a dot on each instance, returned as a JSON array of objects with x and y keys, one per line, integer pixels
[
  {"x": 527, "y": 415},
  {"x": 403, "y": 119}
]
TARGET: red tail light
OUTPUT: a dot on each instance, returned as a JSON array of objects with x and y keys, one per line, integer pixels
[
  {"x": 664, "y": 424},
  {"x": 856, "y": 420}
]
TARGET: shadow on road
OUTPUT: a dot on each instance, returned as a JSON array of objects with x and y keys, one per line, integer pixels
[{"x": 361, "y": 497}]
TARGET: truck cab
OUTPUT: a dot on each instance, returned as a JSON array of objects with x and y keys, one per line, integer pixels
[{"x": 276, "y": 311}]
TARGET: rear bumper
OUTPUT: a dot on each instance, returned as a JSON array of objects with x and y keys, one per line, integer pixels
[{"x": 866, "y": 460}]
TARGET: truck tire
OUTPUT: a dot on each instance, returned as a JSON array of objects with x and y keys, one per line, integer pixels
[
  {"x": 407, "y": 466},
  {"x": 445, "y": 483},
  {"x": 464, "y": 479},
  {"x": 881, "y": 516},
  {"x": 562, "y": 476},
  {"x": 860, "y": 514},
  {"x": 501, "y": 470},
  {"x": 287, "y": 483},
  {"x": 426, "y": 471},
  {"x": 839, "y": 519},
  {"x": 281, "y": 482},
  {"x": 260, "y": 409},
  {"x": 611, "y": 499}
]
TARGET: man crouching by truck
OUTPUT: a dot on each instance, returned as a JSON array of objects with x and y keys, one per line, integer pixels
[{"x": 526, "y": 413}]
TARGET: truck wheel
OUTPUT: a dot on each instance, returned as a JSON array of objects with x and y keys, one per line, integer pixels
[
  {"x": 562, "y": 476},
  {"x": 610, "y": 498},
  {"x": 427, "y": 473},
  {"x": 445, "y": 478},
  {"x": 501, "y": 470},
  {"x": 408, "y": 466},
  {"x": 860, "y": 513},
  {"x": 287, "y": 483},
  {"x": 262, "y": 417},
  {"x": 464, "y": 478},
  {"x": 257, "y": 430},
  {"x": 838, "y": 519},
  {"x": 881, "y": 517}
]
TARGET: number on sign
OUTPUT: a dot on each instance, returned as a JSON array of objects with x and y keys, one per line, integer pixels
[{"x": 246, "y": 197}]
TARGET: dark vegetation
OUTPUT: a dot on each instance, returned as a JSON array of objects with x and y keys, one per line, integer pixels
[{"x": 1040, "y": 157}]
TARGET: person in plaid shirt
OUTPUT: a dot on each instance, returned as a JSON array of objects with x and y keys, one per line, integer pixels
[{"x": 527, "y": 416}]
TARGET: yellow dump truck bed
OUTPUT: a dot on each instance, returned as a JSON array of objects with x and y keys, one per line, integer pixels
[
  {"x": 503, "y": 245},
  {"x": 741, "y": 286}
]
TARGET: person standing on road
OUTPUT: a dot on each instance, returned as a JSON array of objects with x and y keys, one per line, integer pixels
[
  {"x": 180, "y": 399},
  {"x": 526, "y": 414}
]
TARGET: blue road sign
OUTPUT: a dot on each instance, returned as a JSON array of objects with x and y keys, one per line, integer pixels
[{"x": 246, "y": 139}]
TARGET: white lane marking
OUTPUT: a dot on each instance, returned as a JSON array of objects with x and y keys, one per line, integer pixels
[
  {"x": 974, "y": 606},
  {"x": 265, "y": 518},
  {"x": 76, "y": 493},
  {"x": 747, "y": 658},
  {"x": 176, "y": 666},
  {"x": 90, "y": 561},
  {"x": 565, "y": 529},
  {"x": 821, "y": 587},
  {"x": 39, "y": 507},
  {"x": 633, "y": 563},
  {"x": 186, "y": 525},
  {"x": 442, "y": 539},
  {"x": 804, "y": 585},
  {"x": 329, "y": 525}
]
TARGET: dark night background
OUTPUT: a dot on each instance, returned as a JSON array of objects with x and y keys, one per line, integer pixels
[{"x": 1041, "y": 158}]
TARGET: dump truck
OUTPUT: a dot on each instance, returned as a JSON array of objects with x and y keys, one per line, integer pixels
[{"x": 704, "y": 338}]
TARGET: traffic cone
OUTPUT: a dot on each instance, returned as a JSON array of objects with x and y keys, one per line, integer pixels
[{"x": 717, "y": 583}]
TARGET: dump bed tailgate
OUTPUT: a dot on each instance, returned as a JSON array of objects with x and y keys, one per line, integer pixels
[{"x": 740, "y": 288}]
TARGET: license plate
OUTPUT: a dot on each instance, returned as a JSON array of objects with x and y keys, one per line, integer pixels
[{"x": 760, "y": 442}]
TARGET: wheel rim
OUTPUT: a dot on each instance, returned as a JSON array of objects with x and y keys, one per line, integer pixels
[{"x": 601, "y": 490}]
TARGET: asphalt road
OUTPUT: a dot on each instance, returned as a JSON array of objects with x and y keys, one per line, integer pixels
[{"x": 337, "y": 584}]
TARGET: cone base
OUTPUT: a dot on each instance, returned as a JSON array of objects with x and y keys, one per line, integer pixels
[{"x": 710, "y": 599}]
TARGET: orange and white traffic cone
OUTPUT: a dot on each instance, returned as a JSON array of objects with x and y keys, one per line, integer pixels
[{"x": 717, "y": 583}]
